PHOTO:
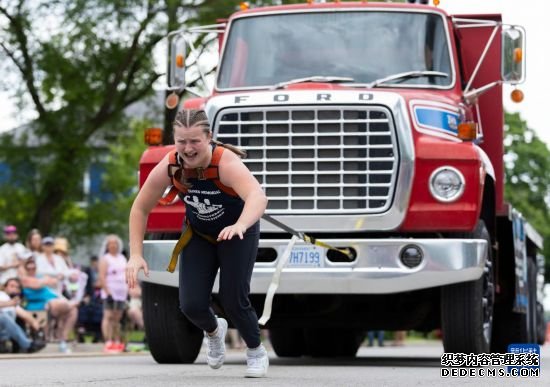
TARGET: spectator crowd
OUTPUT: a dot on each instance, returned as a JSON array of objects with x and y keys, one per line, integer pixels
[{"x": 46, "y": 298}]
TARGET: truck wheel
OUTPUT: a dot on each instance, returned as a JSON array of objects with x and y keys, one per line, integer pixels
[
  {"x": 287, "y": 342},
  {"x": 333, "y": 342},
  {"x": 467, "y": 308},
  {"x": 172, "y": 338}
]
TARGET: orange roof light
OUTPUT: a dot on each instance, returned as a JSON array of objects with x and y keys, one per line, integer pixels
[
  {"x": 244, "y": 5},
  {"x": 436, "y": 2},
  {"x": 467, "y": 131},
  {"x": 517, "y": 95},
  {"x": 172, "y": 101},
  {"x": 153, "y": 136}
]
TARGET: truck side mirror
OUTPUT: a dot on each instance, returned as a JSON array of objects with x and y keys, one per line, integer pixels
[
  {"x": 513, "y": 54},
  {"x": 177, "y": 48}
]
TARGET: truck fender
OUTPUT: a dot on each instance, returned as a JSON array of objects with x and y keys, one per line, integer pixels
[{"x": 486, "y": 163}]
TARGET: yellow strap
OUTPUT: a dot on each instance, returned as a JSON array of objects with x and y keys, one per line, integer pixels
[{"x": 182, "y": 242}]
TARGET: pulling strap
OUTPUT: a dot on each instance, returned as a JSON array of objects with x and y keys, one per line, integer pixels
[
  {"x": 266, "y": 314},
  {"x": 306, "y": 238}
]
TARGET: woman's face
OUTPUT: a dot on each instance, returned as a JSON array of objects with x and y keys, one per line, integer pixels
[
  {"x": 193, "y": 145},
  {"x": 36, "y": 241},
  {"x": 30, "y": 268},
  {"x": 112, "y": 246},
  {"x": 47, "y": 249}
]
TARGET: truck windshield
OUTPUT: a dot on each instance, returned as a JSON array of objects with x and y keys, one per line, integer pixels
[{"x": 266, "y": 50}]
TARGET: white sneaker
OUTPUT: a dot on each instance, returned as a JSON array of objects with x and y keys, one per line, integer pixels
[
  {"x": 64, "y": 348},
  {"x": 215, "y": 354},
  {"x": 257, "y": 362}
]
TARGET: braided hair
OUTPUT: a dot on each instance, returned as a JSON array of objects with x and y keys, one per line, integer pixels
[{"x": 190, "y": 117}]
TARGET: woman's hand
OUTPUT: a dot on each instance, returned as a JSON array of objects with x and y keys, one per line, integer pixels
[
  {"x": 230, "y": 231},
  {"x": 134, "y": 265}
]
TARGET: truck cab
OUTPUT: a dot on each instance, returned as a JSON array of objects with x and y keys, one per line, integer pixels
[{"x": 378, "y": 128}]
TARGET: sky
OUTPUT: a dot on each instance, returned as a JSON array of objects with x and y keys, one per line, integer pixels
[{"x": 531, "y": 14}]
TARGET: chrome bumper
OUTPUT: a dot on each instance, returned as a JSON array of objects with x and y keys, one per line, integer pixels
[{"x": 376, "y": 270}]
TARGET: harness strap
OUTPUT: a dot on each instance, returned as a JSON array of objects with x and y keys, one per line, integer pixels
[
  {"x": 182, "y": 242},
  {"x": 175, "y": 172},
  {"x": 167, "y": 199}
]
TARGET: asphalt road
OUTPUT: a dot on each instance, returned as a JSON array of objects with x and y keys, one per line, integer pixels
[{"x": 416, "y": 364}]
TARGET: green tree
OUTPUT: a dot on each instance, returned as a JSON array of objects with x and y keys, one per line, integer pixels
[
  {"x": 527, "y": 164},
  {"x": 118, "y": 188},
  {"x": 78, "y": 77}
]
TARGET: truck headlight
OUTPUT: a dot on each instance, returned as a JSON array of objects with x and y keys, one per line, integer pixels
[{"x": 446, "y": 184}]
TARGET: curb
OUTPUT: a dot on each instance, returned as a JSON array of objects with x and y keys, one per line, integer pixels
[{"x": 51, "y": 355}]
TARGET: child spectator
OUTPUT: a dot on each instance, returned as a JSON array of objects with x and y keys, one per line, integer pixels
[
  {"x": 134, "y": 312},
  {"x": 114, "y": 291},
  {"x": 10, "y": 299},
  {"x": 90, "y": 312}
]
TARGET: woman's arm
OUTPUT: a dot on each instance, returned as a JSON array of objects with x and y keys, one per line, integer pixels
[
  {"x": 147, "y": 198},
  {"x": 38, "y": 283},
  {"x": 234, "y": 174},
  {"x": 102, "y": 275}
]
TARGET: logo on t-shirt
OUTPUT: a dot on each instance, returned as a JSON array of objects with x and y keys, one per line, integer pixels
[{"x": 204, "y": 210}]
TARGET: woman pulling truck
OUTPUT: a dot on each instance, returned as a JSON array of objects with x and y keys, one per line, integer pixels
[{"x": 223, "y": 212}]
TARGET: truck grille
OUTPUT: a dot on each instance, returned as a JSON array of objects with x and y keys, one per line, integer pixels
[{"x": 328, "y": 159}]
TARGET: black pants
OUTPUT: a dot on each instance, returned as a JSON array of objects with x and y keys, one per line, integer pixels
[{"x": 199, "y": 263}]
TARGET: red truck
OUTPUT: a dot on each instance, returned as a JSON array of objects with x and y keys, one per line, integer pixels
[{"x": 375, "y": 127}]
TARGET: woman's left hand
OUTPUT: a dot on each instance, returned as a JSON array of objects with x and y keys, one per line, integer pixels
[{"x": 230, "y": 231}]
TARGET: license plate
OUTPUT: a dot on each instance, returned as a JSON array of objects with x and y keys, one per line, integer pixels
[{"x": 305, "y": 256}]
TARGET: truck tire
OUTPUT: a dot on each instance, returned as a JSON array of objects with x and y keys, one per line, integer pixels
[
  {"x": 287, "y": 342},
  {"x": 467, "y": 308},
  {"x": 172, "y": 338},
  {"x": 324, "y": 342}
]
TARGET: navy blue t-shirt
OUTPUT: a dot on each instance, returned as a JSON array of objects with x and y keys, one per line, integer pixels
[{"x": 209, "y": 209}]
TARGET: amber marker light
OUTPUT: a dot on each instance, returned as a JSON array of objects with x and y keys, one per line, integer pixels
[
  {"x": 244, "y": 5},
  {"x": 180, "y": 61},
  {"x": 467, "y": 131},
  {"x": 436, "y": 3},
  {"x": 517, "y": 95},
  {"x": 153, "y": 136},
  {"x": 518, "y": 54}
]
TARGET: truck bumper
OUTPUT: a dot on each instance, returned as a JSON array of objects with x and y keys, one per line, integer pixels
[{"x": 377, "y": 268}]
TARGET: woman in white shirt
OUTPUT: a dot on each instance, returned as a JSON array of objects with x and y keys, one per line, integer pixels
[{"x": 52, "y": 265}]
